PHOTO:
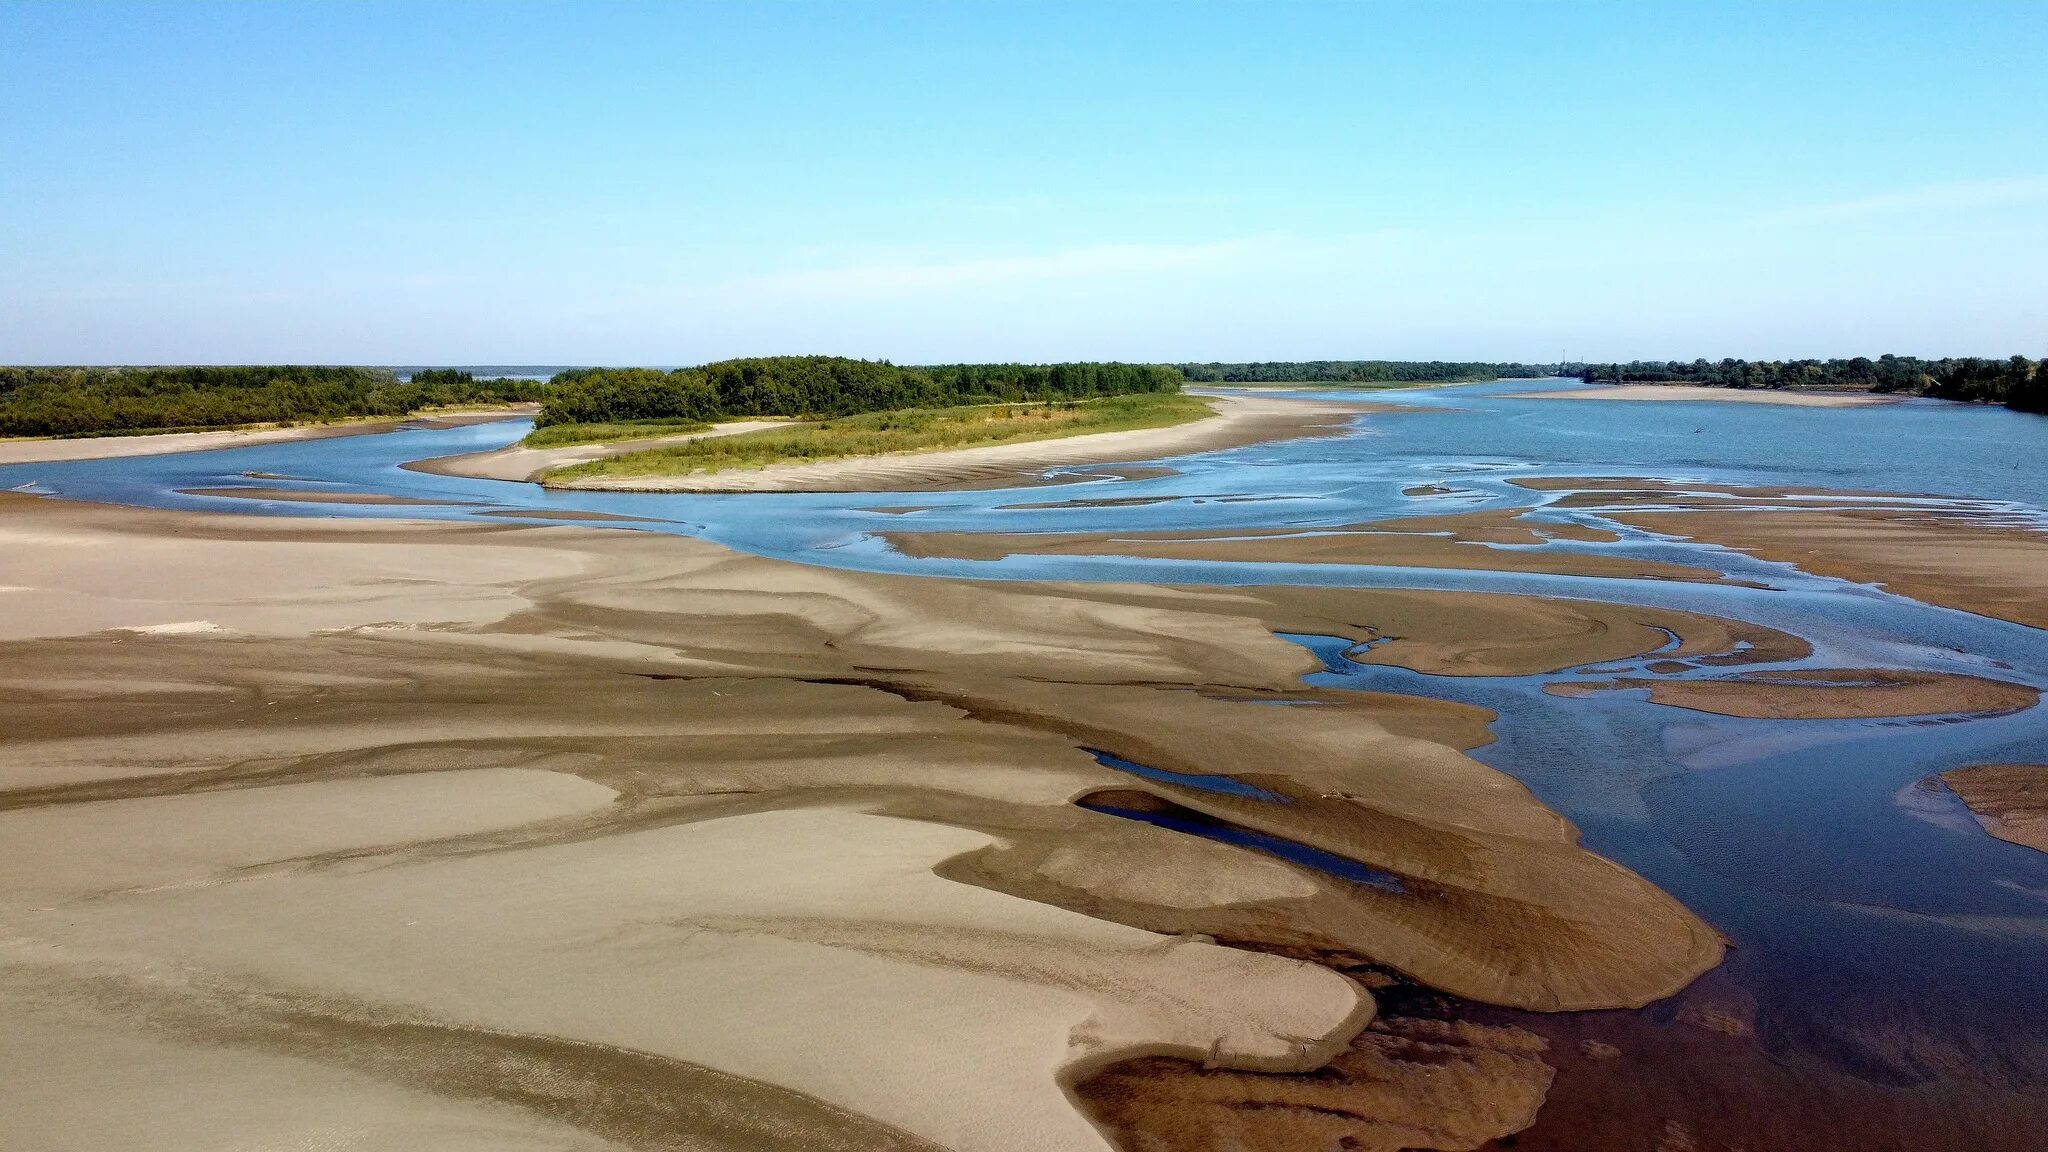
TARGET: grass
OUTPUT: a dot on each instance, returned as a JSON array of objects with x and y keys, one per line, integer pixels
[
  {"x": 560, "y": 435},
  {"x": 907, "y": 430}
]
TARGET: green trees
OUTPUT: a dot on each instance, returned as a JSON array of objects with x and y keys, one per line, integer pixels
[
  {"x": 84, "y": 401},
  {"x": 2016, "y": 382},
  {"x": 827, "y": 386},
  {"x": 1357, "y": 372}
]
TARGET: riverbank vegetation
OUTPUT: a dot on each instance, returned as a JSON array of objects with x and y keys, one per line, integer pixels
[
  {"x": 112, "y": 401},
  {"x": 1361, "y": 372},
  {"x": 825, "y": 386},
  {"x": 563, "y": 435},
  {"x": 2015, "y": 382},
  {"x": 902, "y": 430}
]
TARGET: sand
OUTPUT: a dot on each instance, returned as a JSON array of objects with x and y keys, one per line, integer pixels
[
  {"x": 2009, "y": 800},
  {"x": 1955, "y": 561},
  {"x": 1825, "y": 693},
  {"x": 1462, "y": 541},
  {"x": 510, "y": 829},
  {"x": 1698, "y": 392},
  {"x": 309, "y": 496},
  {"x": 162, "y": 443},
  {"x": 1237, "y": 421}
]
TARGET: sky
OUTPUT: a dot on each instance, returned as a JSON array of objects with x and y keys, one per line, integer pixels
[{"x": 668, "y": 184}]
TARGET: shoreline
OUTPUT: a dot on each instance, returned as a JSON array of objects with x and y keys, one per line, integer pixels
[
  {"x": 1236, "y": 422},
  {"x": 519, "y": 464},
  {"x": 40, "y": 450},
  {"x": 879, "y": 829},
  {"x": 1708, "y": 392}
]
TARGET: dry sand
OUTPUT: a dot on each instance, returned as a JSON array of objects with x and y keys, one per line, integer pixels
[
  {"x": 1954, "y": 561},
  {"x": 1710, "y": 393},
  {"x": 1238, "y": 421},
  {"x": 162, "y": 443},
  {"x": 550, "y": 836},
  {"x": 1825, "y": 693},
  {"x": 1462, "y": 541},
  {"x": 2009, "y": 800}
]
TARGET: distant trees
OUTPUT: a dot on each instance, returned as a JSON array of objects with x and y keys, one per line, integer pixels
[
  {"x": 2016, "y": 382},
  {"x": 84, "y": 401},
  {"x": 1357, "y": 371},
  {"x": 826, "y": 386}
]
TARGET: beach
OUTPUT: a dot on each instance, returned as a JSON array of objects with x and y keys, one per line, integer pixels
[{"x": 1704, "y": 392}]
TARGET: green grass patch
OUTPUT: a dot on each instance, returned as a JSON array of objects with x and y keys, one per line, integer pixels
[
  {"x": 561, "y": 435},
  {"x": 905, "y": 430}
]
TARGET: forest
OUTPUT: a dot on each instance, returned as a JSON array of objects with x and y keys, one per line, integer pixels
[
  {"x": 103, "y": 401},
  {"x": 826, "y": 386},
  {"x": 1359, "y": 372},
  {"x": 2016, "y": 382}
]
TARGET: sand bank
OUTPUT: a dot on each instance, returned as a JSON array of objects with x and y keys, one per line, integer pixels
[
  {"x": 1697, "y": 392},
  {"x": 812, "y": 832},
  {"x": 1456, "y": 541},
  {"x": 1238, "y": 421},
  {"x": 1825, "y": 693},
  {"x": 519, "y": 463},
  {"x": 2009, "y": 800},
  {"x": 1953, "y": 560},
  {"x": 162, "y": 443}
]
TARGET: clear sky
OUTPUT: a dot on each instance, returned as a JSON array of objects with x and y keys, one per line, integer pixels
[{"x": 586, "y": 183}]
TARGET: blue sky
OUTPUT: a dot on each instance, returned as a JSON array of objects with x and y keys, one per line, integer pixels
[{"x": 416, "y": 183}]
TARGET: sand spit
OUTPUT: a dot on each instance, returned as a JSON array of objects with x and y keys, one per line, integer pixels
[
  {"x": 518, "y": 463},
  {"x": 1951, "y": 560},
  {"x": 1238, "y": 421},
  {"x": 163, "y": 443},
  {"x": 1699, "y": 392},
  {"x": 1461, "y": 541},
  {"x": 1825, "y": 693},
  {"x": 2009, "y": 800},
  {"x": 813, "y": 833}
]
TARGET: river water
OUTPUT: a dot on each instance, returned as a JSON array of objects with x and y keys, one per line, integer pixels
[{"x": 1879, "y": 930}]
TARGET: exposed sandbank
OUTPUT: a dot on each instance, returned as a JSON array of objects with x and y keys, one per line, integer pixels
[
  {"x": 811, "y": 831},
  {"x": 162, "y": 443},
  {"x": 1458, "y": 541},
  {"x": 1238, "y": 421},
  {"x": 1825, "y": 693},
  {"x": 1710, "y": 393},
  {"x": 2010, "y": 801}
]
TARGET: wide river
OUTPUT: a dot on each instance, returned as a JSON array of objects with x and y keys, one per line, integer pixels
[{"x": 1879, "y": 930}]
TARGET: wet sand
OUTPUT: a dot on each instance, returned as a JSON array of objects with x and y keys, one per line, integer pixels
[
  {"x": 2010, "y": 801},
  {"x": 1238, "y": 421},
  {"x": 1951, "y": 560},
  {"x": 375, "y": 806},
  {"x": 1461, "y": 541},
  {"x": 162, "y": 443},
  {"x": 1698, "y": 392},
  {"x": 1825, "y": 693}
]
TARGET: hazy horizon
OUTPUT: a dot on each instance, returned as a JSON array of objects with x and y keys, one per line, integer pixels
[{"x": 542, "y": 184}]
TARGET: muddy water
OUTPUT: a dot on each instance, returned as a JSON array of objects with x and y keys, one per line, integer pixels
[{"x": 1886, "y": 988}]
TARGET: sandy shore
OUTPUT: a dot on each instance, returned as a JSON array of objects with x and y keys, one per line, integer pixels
[
  {"x": 1825, "y": 693},
  {"x": 520, "y": 463},
  {"x": 1238, "y": 421},
  {"x": 374, "y": 809},
  {"x": 158, "y": 444},
  {"x": 1697, "y": 392},
  {"x": 2009, "y": 800},
  {"x": 1456, "y": 541}
]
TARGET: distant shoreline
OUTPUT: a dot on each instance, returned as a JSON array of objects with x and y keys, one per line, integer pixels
[{"x": 1709, "y": 392}]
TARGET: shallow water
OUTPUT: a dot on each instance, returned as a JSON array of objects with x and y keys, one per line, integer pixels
[{"x": 1849, "y": 895}]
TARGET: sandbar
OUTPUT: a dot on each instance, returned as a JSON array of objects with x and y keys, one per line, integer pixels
[
  {"x": 519, "y": 463},
  {"x": 1825, "y": 693},
  {"x": 163, "y": 443},
  {"x": 1237, "y": 421},
  {"x": 2009, "y": 800}
]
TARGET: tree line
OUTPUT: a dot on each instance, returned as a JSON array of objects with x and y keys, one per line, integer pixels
[
  {"x": 826, "y": 386},
  {"x": 89, "y": 401},
  {"x": 1360, "y": 372},
  {"x": 2016, "y": 381}
]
